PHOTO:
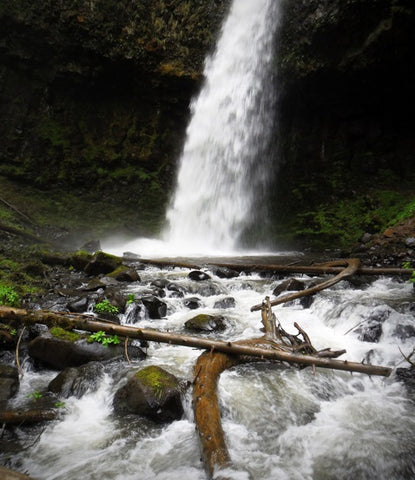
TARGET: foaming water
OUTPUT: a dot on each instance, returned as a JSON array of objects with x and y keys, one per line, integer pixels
[{"x": 280, "y": 422}]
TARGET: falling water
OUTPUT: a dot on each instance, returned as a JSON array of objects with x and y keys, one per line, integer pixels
[{"x": 223, "y": 165}]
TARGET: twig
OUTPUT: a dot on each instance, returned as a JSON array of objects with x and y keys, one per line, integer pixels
[
  {"x": 17, "y": 352},
  {"x": 126, "y": 350},
  {"x": 408, "y": 358},
  {"x": 16, "y": 210}
]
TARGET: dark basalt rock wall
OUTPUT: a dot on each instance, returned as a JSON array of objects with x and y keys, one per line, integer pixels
[
  {"x": 346, "y": 76},
  {"x": 95, "y": 93}
]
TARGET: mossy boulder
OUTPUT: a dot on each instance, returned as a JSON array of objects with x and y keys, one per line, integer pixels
[
  {"x": 206, "y": 323},
  {"x": 151, "y": 392}
]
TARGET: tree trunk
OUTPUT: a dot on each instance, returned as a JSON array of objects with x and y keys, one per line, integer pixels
[
  {"x": 352, "y": 265},
  {"x": 18, "y": 417},
  {"x": 317, "y": 269},
  {"x": 81, "y": 322}
]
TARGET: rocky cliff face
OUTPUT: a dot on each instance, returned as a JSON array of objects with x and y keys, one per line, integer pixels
[
  {"x": 346, "y": 83},
  {"x": 94, "y": 94}
]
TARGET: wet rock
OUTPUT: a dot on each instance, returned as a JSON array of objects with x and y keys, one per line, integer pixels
[
  {"x": 91, "y": 246},
  {"x": 134, "y": 313},
  {"x": 306, "y": 302},
  {"x": 206, "y": 323},
  {"x": 406, "y": 375},
  {"x": 223, "y": 272},
  {"x": 151, "y": 392},
  {"x": 93, "y": 285},
  {"x": 404, "y": 331},
  {"x": 372, "y": 330},
  {"x": 227, "y": 302},
  {"x": 78, "y": 305},
  {"x": 192, "y": 303},
  {"x": 102, "y": 263},
  {"x": 290, "y": 284},
  {"x": 410, "y": 242},
  {"x": 126, "y": 274},
  {"x": 77, "y": 381},
  {"x": 207, "y": 289},
  {"x": 9, "y": 382},
  {"x": 175, "y": 290},
  {"x": 366, "y": 237},
  {"x": 198, "y": 276},
  {"x": 156, "y": 309},
  {"x": 61, "y": 353}
]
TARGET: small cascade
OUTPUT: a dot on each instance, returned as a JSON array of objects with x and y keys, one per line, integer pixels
[{"x": 223, "y": 168}]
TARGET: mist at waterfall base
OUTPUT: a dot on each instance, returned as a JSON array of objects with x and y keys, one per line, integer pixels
[{"x": 225, "y": 164}]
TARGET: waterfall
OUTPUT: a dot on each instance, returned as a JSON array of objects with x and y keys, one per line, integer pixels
[{"x": 223, "y": 166}]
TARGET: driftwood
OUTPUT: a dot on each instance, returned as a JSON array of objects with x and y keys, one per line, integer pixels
[
  {"x": 207, "y": 371},
  {"x": 316, "y": 269},
  {"x": 18, "y": 417},
  {"x": 352, "y": 266},
  {"x": 6, "y": 474},
  {"x": 17, "y": 316}
]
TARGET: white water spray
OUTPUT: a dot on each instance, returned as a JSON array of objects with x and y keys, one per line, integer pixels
[{"x": 222, "y": 169}]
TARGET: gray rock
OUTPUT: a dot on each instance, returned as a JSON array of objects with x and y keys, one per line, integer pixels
[{"x": 151, "y": 392}]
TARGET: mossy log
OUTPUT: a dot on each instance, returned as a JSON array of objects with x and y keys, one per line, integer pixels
[
  {"x": 6, "y": 474},
  {"x": 19, "y": 417},
  {"x": 315, "y": 269},
  {"x": 18, "y": 316}
]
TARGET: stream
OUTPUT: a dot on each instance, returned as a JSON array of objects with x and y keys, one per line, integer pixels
[{"x": 279, "y": 422}]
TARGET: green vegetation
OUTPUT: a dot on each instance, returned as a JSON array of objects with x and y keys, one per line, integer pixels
[
  {"x": 106, "y": 307},
  {"x": 344, "y": 222},
  {"x": 36, "y": 395},
  {"x": 156, "y": 379},
  {"x": 63, "y": 334},
  {"x": 103, "y": 338},
  {"x": 409, "y": 267},
  {"x": 9, "y": 297}
]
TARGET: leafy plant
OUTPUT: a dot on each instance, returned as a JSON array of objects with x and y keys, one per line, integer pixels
[
  {"x": 106, "y": 307},
  {"x": 130, "y": 298},
  {"x": 9, "y": 297},
  {"x": 60, "y": 405},
  {"x": 103, "y": 338},
  {"x": 36, "y": 395},
  {"x": 407, "y": 265}
]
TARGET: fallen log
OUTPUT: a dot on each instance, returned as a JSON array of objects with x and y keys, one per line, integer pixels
[
  {"x": 18, "y": 417},
  {"x": 82, "y": 322},
  {"x": 352, "y": 265},
  {"x": 6, "y": 474},
  {"x": 315, "y": 269}
]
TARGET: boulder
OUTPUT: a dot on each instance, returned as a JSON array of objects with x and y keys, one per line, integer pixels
[
  {"x": 192, "y": 303},
  {"x": 206, "y": 323},
  {"x": 290, "y": 284},
  {"x": 156, "y": 309},
  {"x": 151, "y": 392},
  {"x": 76, "y": 381},
  {"x": 102, "y": 263},
  {"x": 227, "y": 302},
  {"x": 61, "y": 353},
  {"x": 198, "y": 276},
  {"x": 9, "y": 382},
  {"x": 125, "y": 274}
]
